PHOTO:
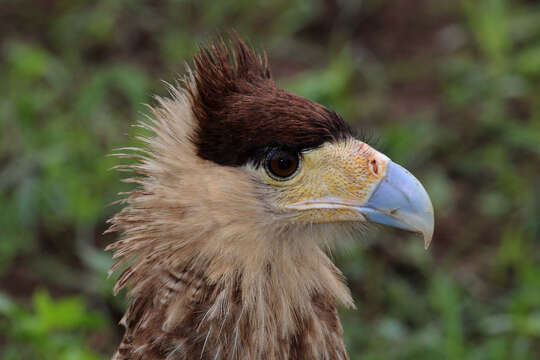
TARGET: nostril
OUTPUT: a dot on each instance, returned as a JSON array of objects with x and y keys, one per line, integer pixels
[{"x": 374, "y": 166}]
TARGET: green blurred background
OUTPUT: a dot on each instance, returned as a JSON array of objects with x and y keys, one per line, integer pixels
[{"x": 450, "y": 89}]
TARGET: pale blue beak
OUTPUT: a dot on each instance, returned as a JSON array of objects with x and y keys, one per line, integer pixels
[{"x": 400, "y": 201}]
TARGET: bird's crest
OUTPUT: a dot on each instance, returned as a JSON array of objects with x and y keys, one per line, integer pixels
[{"x": 239, "y": 109}]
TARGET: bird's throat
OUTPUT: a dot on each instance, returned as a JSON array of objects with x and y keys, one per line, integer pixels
[{"x": 279, "y": 305}]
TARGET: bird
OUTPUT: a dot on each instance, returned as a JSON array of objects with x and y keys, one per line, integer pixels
[{"x": 241, "y": 188}]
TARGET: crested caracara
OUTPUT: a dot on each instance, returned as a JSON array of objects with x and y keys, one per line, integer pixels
[{"x": 241, "y": 185}]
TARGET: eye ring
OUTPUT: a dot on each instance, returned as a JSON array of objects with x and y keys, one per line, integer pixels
[{"x": 282, "y": 164}]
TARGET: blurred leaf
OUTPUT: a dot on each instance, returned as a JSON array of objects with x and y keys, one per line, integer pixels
[
  {"x": 330, "y": 86},
  {"x": 488, "y": 20},
  {"x": 528, "y": 61},
  {"x": 26, "y": 60},
  {"x": 55, "y": 329},
  {"x": 446, "y": 298}
]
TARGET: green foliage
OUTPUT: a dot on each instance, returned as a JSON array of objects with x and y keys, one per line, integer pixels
[
  {"x": 52, "y": 329},
  {"x": 449, "y": 89}
]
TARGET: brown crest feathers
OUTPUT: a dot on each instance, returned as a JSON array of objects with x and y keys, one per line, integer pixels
[{"x": 240, "y": 111}]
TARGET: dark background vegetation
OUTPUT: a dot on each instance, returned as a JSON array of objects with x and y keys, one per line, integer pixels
[{"x": 450, "y": 89}]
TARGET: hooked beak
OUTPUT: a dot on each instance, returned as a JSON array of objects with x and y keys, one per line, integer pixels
[
  {"x": 351, "y": 181},
  {"x": 400, "y": 201}
]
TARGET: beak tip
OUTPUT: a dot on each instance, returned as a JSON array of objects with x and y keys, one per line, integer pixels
[
  {"x": 428, "y": 234},
  {"x": 428, "y": 225},
  {"x": 427, "y": 240},
  {"x": 401, "y": 190}
]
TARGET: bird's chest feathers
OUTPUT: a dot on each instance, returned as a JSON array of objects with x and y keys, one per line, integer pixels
[{"x": 265, "y": 314}]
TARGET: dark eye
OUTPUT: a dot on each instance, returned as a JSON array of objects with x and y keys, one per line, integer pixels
[{"x": 281, "y": 163}]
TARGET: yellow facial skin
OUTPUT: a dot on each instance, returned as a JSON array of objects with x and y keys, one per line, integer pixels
[{"x": 330, "y": 180}]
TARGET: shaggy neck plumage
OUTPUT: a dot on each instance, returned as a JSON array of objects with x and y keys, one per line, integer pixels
[{"x": 199, "y": 243}]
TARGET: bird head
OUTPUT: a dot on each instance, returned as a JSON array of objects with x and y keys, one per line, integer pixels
[
  {"x": 238, "y": 170},
  {"x": 302, "y": 158}
]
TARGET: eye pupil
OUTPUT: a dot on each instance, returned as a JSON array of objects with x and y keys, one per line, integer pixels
[
  {"x": 284, "y": 163},
  {"x": 281, "y": 163}
]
